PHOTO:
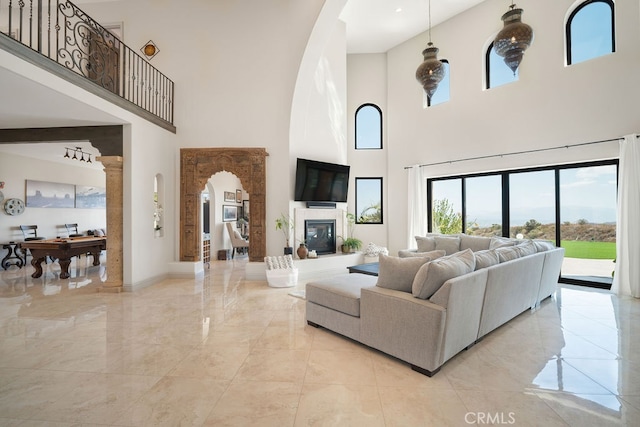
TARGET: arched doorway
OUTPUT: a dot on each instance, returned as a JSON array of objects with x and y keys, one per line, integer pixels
[{"x": 197, "y": 165}]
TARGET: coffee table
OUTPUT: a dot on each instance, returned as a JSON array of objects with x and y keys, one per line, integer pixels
[{"x": 370, "y": 268}]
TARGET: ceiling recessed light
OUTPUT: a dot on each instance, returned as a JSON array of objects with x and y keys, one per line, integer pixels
[{"x": 399, "y": 9}]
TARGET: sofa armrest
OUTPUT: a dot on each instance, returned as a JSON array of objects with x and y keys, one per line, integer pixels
[{"x": 403, "y": 326}]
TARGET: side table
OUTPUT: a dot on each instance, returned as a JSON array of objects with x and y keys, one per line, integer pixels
[{"x": 14, "y": 256}]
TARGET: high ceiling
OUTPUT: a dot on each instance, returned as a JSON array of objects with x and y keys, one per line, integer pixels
[
  {"x": 372, "y": 26},
  {"x": 375, "y": 26}
]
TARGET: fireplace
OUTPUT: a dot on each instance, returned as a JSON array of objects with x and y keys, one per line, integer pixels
[{"x": 320, "y": 235}]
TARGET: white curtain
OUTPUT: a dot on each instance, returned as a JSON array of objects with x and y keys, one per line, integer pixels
[
  {"x": 417, "y": 206},
  {"x": 626, "y": 280}
]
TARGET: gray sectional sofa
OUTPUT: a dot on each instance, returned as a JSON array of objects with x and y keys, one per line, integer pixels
[{"x": 429, "y": 304}]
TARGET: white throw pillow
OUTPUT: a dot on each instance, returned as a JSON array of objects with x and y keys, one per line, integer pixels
[
  {"x": 398, "y": 273},
  {"x": 543, "y": 245},
  {"x": 507, "y": 253},
  {"x": 449, "y": 244},
  {"x": 486, "y": 258},
  {"x": 432, "y": 275},
  {"x": 431, "y": 254},
  {"x": 526, "y": 248},
  {"x": 501, "y": 242},
  {"x": 426, "y": 244},
  {"x": 475, "y": 243}
]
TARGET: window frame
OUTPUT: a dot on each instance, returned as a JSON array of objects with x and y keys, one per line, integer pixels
[
  {"x": 573, "y": 14},
  {"x": 487, "y": 69},
  {"x": 506, "y": 225},
  {"x": 357, "y": 211},
  {"x": 368, "y": 104}
]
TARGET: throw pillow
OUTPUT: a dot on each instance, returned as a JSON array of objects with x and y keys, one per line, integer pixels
[
  {"x": 398, "y": 273},
  {"x": 475, "y": 243},
  {"x": 501, "y": 242},
  {"x": 486, "y": 258},
  {"x": 526, "y": 248},
  {"x": 431, "y": 254},
  {"x": 426, "y": 244},
  {"x": 449, "y": 244},
  {"x": 543, "y": 245},
  {"x": 507, "y": 253},
  {"x": 432, "y": 275}
]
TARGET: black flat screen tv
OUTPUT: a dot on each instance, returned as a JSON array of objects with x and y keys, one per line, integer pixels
[{"x": 321, "y": 181}]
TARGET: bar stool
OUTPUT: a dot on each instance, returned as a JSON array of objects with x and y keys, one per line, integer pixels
[{"x": 30, "y": 232}]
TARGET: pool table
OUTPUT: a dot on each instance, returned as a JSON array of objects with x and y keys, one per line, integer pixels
[{"x": 63, "y": 250}]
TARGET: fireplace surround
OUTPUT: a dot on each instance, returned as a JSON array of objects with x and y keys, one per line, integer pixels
[
  {"x": 320, "y": 235},
  {"x": 325, "y": 219}
]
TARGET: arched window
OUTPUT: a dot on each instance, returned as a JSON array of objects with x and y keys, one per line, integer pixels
[
  {"x": 368, "y": 127},
  {"x": 497, "y": 73},
  {"x": 442, "y": 94},
  {"x": 590, "y": 31}
]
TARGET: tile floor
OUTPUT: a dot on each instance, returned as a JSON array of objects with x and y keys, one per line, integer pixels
[{"x": 220, "y": 350}]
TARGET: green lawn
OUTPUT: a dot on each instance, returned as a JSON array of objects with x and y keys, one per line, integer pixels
[{"x": 589, "y": 250}]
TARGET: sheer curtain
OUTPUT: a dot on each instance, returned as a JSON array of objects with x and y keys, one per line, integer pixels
[
  {"x": 626, "y": 280},
  {"x": 417, "y": 206}
]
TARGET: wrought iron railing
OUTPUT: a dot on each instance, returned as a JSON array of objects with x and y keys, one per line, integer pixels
[{"x": 61, "y": 31}]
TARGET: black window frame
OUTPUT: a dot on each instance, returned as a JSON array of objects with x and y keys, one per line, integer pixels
[
  {"x": 368, "y": 104},
  {"x": 506, "y": 225},
  {"x": 356, "y": 210},
  {"x": 577, "y": 10}
]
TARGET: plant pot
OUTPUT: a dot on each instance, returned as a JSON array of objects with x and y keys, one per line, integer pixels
[
  {"x": 288, "y": 250},
  {"x": 348, "y": 249},
  {"x": 303, "y": 251}
]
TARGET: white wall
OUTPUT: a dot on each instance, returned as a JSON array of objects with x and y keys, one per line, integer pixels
[
  {"x": 15, "y": 170},
  {"x": 551, "y": 105}
]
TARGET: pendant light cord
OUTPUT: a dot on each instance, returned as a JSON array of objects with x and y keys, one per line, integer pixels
[{"x": 429, "y": 11}]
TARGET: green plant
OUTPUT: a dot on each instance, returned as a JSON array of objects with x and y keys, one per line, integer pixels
[
  {"x": 284, "y": 223},
  {"x": 445, "y": 221},
  {"x": 350, "y": 241}
]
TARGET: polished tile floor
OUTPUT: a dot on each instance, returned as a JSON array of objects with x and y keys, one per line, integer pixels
[{"x": 220, "y": 350}]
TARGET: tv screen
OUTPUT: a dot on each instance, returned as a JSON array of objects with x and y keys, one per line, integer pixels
[{"x": 321, "y": 182}]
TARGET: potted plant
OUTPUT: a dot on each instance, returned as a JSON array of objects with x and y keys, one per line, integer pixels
[
  {"x": 351, "y": 244},
  {"x": 284, "y": 224}
]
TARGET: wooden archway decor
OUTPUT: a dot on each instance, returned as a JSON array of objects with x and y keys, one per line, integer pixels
[{"x": 197, "y": 165}]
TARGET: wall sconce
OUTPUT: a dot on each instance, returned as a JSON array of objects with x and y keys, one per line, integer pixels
[
  {"x": 77, "y": 150},
  {"x": 149, "y": 50}
]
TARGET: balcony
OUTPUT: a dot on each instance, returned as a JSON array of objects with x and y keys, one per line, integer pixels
[{"x": 58, "y": 36}]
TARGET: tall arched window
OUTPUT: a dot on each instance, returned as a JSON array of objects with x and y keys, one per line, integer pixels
[
  {"x": 497, "y": 73},
  {"x": 368, "y": 127},
  {"x": 590, "y": 31},
  {"x": 442, "y": 94}
]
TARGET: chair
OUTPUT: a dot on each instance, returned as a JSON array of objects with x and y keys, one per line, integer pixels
[
  {"x": 72, "y": 230},
  {"x": 30, "y": 232},
  {"x": 238, "y": 243}
]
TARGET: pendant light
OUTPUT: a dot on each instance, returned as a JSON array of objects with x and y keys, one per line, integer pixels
[
  {"x": 431, "y": 72},
  {"x": 514, "y": 38}
]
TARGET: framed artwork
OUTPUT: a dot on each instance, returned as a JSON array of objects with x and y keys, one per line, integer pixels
[
  {"x": 229, "y": 196},
  {"x": 245, "y": 209},
  {"x": 42, "y": 194},
  {"x": 238, "y": 196},
  {"x": 89, "y": 197},
  {"x": 229, "y": 213}
]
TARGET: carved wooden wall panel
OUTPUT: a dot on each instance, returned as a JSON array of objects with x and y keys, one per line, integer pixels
[{"x": 197, "y": 165}]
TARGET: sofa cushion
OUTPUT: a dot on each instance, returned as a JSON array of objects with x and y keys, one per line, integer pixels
[
  {"x": 398, "y": 273},
  {"x": 501, "y": 242},
  {"x": 449, "y": 244},
  {"x": 426, "y": 244},
  {"x": 432, "y": 275},
  {"x": 526, "y": 248},
  {"x": 486, "y": 258},
  {"x": 431, "y": 254},
  {"x": 543, "y": 245},
  {"x": 475, "y": 243},
  {"x": 340, "y": 293},
  {"x": 507, "y": 253}
]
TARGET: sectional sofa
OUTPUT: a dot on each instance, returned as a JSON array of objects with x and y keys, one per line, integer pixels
[{"x": 427, "y": 305}]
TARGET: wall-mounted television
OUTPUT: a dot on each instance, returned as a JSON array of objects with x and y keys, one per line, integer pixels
[{"x": 321, "y": 181}]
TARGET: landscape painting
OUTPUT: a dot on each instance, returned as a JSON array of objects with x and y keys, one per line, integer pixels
[
  {"x": 42, "y": 194},
  {"x": 89, "y": 197}
]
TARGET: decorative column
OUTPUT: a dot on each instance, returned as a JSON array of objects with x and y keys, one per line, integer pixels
[{"x": 113, "y": 169}]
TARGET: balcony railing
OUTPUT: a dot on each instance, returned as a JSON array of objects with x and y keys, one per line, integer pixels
[{"x": 61, "y": 31}]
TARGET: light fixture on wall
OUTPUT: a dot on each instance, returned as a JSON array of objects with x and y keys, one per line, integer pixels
[
  {"x": 431, "y": 72},
  {"x": 76, "y": 151},
  {"x": 150, "y": 49},
  {"x": 514, "y": 38}
]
